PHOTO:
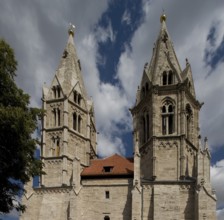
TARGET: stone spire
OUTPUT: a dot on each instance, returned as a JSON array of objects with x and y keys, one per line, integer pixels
[
  {"x": 164, "y": 57},
  {"x": 68, "y": 75}
]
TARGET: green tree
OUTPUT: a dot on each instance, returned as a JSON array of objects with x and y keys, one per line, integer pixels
[{"x": 18, "y": 121}]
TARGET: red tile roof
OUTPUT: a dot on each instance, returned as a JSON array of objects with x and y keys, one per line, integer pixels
[{"x": 117, "y": 165}]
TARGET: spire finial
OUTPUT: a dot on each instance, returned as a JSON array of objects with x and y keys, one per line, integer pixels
[
  {"x": 163, "y": 17},
  {"x": 71, "y": 29}
]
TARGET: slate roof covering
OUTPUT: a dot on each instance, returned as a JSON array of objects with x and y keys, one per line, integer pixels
[{"x": 112, "y": 166}]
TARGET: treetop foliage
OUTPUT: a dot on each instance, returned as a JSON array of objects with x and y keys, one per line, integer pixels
[{"x": 18, "y": 121}]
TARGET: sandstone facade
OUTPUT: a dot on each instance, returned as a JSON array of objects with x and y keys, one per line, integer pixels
[{"x": 169, "y": 175}]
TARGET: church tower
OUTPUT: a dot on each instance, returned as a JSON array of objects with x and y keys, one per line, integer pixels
[
  {"x": 166, "y": 131},
  {"x": 68, "y": 127}
]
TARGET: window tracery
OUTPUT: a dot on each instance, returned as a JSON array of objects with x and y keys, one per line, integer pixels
[
  {"x": 167, "y": 78},
  {"x": 56, "y": 91},
  {"x": 56, "y": 117},
  {"x": 77, "y": 122},
  {"x": 77, "y": 97},
  {"x": 55, "y": 146},
  {"x": 167, "y": 113}
]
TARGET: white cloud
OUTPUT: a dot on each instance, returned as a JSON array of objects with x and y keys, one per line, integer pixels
[
  {"x": 109, "y": 100},
  {"x": 105, "y": 34},
  {"x": 126, "y": 18},
  {"x": 110, "y": 145},
  {"x": 220, "y": 214},
  {"x": 217, "y": 178}
]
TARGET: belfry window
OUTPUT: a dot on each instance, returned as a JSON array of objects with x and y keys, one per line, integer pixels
[
  {"x": 107, "y": 218},
  {"x": 146, "y": 87},
  {"x": 170, "y": 78},
  {"x": 77, "y": 98},
  {"x": 56, "y": 91},
  {"x": 56, "y": 117},
  {"x": 74, "y": 121},
  {"x": 167, "y": 118},
  {"x": 55, "y": 148},
  {"x": 188, "y": 121},
  {"x": 164, "y": 78},
  {"x": 77, "y": 122},
  {"x": 167, "y": 78},
  {"x": 145, "y": 127}
]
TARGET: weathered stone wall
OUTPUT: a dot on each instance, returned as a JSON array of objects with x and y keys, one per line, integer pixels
[
  {"x": 46, "y": 204},
  {"x": 173, "y": 202},
  {"x": 95, "y": 205}
]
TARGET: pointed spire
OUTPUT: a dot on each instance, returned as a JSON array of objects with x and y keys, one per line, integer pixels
[
  {"x": 68, "y": 74},
  {"x": 164, "y": 57}
]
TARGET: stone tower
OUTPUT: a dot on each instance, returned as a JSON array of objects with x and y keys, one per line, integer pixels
[
  {"x": 68, "y": 125},
  {"x": 166, "y": 131}
]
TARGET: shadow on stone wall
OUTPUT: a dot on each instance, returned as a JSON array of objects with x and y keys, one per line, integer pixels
[
  {"x": 189, "y": 208},
  {"x": 128, "y": 205}
]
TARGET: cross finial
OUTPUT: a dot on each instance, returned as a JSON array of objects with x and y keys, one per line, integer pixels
[
  {"x": 163, "y": 17},
  {"x": 71, "y": 29}
]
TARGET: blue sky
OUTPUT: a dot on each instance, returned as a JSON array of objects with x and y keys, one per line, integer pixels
[{"x": 114, "y": 39}]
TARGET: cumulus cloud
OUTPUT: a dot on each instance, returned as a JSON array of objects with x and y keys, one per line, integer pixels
[
  {"x": 217, "y": 178},
  {"x": 105, "y": 33},
  {"x": 220, "y": 214},
  {"x": 109, "y": 100}
]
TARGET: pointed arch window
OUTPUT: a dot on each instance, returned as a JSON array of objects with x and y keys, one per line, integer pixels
[
  {"x": 170, "y": 78},
  {"x": 146, "y": 87},
  {"x": 77, "y": 122},
  {"x": 55, "y": 148},
  {"x": 77, "y": 98},
  {"x": 189, "y": 123},
  {"x": 59, "y": 91},
  {"x": 56, "y": 91},
  {"x": 74, "y": 121},
  {"x": 143, "y": 91},
  {"x": 145, "y": 127},
  {"x": 164, "y": 78},
  {"x": 56, "y": 117},
  {"x": 167, "y": 118},
  {"x": 167, "y": 78}
]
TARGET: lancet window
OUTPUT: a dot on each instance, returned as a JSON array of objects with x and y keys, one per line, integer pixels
[
  {"x": 77, "y": 98},
  {"x": 56, "y": 91},
  {"x": 77, "y": 122},
  {"x": 167, "y": 118},
  {"x": 56, "y": 117},
  {"x": 55, "y": 147},
  {"x": 167, "y": 78},
  {"x": 189, "y": 117},
  {"x": 145, "y": 127}
]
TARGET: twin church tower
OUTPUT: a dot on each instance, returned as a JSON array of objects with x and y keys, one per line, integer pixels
[{"x": 169, "y": 174}]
